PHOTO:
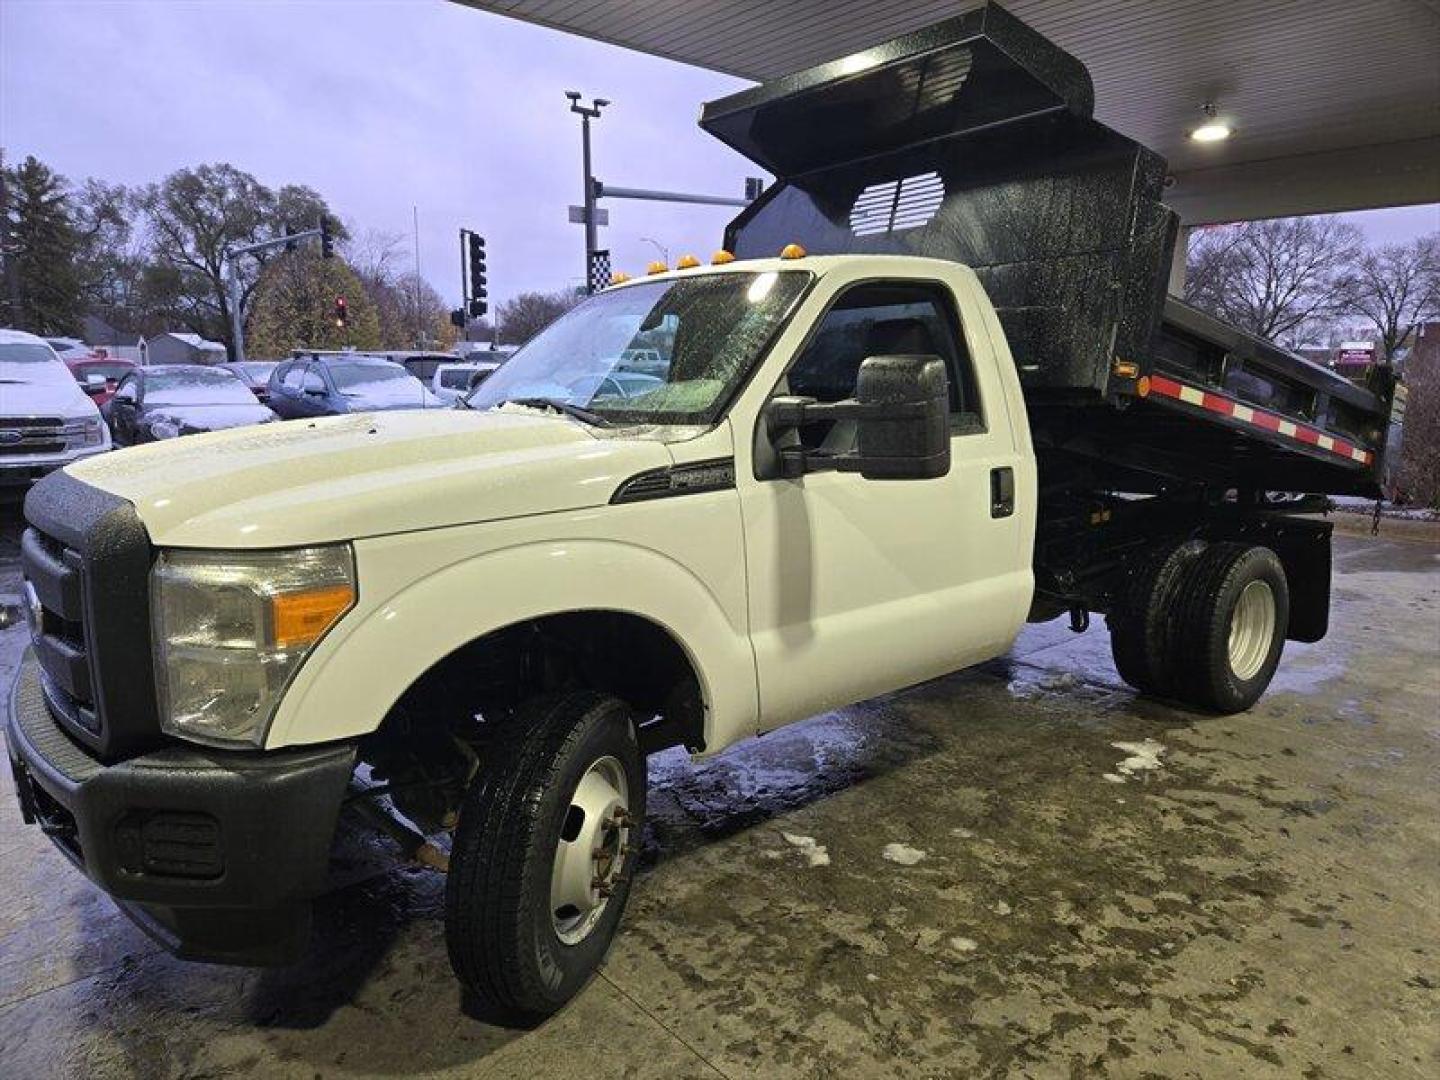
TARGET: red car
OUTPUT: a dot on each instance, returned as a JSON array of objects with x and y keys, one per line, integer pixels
[{"x": 99, "y": 375}]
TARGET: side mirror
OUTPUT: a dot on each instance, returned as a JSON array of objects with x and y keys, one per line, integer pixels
[
  {"x": 94, "y": 385},
  {"x": 907, "y": 447},
  {"x": 901, "y": 411}
]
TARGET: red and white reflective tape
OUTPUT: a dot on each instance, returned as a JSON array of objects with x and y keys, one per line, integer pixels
[{"x": 1204, "y": 399}]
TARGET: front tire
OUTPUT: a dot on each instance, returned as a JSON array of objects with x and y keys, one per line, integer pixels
[{"x": 545, "y": 853}]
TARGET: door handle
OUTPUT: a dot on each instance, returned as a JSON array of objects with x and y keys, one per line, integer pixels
[{"x": 1002, "y": 492}]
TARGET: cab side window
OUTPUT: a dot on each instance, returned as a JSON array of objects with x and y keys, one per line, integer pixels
[{"x": 884, "y": 318}]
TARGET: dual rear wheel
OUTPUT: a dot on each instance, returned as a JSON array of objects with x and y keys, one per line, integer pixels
[{"x": 1203, "y": 623}]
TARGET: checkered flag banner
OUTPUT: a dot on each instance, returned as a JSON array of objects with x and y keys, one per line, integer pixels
[{"x": 599, "y": 276}]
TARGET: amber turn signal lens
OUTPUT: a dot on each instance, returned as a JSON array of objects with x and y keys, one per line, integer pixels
[
  {"x": 687, "y": 262},
  {"x": 1142, "y": 387},
  {"x": 792, "y": 251},
  {"x": 300, "y": 618},
  {"x": 656, "y": 267},
  {"x": 720, "y": 258},
  {"x": 1125, "y": 369}
]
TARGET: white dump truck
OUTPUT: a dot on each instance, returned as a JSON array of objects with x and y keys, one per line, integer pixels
[{"x": 931, "y": 388}]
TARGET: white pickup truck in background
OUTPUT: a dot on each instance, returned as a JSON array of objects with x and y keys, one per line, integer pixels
[{"x": 46, "y": 418}]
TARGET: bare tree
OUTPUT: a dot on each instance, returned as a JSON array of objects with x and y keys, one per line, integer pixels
[
  {"x": 1276, "y": 278},
  {"x": 1397, "y": 287},
  {"x": 522, "y": 317},
  {"x": 194, "y": 215}
]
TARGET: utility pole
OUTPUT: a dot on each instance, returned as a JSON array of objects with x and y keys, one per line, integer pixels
[{"x": 586, "y": 114}]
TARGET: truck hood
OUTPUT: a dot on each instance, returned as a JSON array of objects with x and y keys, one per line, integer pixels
[
  {"x": 51, "y": 393},
  {"x": 371, "y": 474}
]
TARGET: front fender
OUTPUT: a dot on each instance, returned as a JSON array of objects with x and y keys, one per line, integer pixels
[{"x": 398, "y": 631}]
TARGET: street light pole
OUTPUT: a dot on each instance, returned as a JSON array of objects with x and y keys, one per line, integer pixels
[
  {"x": 661, "y": 248},
  {"x": 586, "y": 114}
]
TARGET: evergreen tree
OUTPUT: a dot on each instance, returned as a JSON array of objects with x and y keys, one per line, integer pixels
[
  {"x": 294, "y": 307},
  {"x": 43, "y": 286}
]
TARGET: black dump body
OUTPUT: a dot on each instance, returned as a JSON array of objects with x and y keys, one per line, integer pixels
[{"x": 973, "y": 140}]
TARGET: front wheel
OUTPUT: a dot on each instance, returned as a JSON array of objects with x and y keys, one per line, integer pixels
[{"x": 545, "y": 852}]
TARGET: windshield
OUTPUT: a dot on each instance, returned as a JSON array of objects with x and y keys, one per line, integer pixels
[
  {"x": 24, "y": 353},
  {"x": 195, "y": 388},
  {"x": 109, "y": 371},
  {"x": 694, "y": 339},
  {"x": 255, "y": 370},
  {"x": 378, "y": 379}
]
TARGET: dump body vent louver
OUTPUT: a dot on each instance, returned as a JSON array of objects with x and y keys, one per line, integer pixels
[{"x": 897, "y": 204}]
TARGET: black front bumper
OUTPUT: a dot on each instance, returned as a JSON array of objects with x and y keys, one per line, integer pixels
[{"x": 215, "y": 853}]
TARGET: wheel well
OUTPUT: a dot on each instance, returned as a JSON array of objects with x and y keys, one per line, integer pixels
[
  {"x": 615, "y": 652},
  {"x": 429, "y": 744}
]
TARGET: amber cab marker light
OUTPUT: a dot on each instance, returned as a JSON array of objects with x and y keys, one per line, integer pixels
[
  {"x": 619, "y": 277},
  {"x": 300, "y": 618},
  {"x": 687, "y": 262},
  {"x": 721, "y": 257},
  {"x": 656, "y": 267},
  {"x": 792, "y": 251},
  {"x": 1142, "y": 386}
]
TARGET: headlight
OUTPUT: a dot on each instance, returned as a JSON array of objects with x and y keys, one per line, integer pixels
[
  {"x": 88, "y": 431},
  {"x": 232, "y": 628}
]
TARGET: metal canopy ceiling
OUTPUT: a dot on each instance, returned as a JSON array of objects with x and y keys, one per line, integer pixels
[{"x": 1336, "y": 103}]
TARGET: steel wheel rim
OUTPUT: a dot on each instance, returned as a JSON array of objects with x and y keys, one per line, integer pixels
[
  {"x": 590, "y": 850},
  {"x": 1252, "y": 629}
]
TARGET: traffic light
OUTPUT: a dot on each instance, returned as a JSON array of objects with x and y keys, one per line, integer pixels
[
  {"x": 327, "y": 241},
  {"x": 342, "y": 312},
  {"x": 457, "y": 318},
  {"x": 754, "y": 187},
  {"x": 478, "y": 293}
]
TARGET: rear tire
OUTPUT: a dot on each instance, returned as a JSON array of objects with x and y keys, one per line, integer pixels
[
  {"x": 544, "y": 854},
  {"x": 1140, "y": 627},
  {"x": 1231, "y": 615}
]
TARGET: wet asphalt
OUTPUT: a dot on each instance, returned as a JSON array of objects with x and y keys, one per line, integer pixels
[{"x": 1020, "y": 870}]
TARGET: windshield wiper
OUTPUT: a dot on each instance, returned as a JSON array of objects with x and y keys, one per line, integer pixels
[{"x": 585, "y": 416}]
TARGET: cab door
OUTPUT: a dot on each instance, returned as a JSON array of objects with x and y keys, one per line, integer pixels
[{"x": 856, "y": 586}]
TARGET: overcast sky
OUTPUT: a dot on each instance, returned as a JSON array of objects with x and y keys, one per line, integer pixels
[{"x": 385, "y": 106}]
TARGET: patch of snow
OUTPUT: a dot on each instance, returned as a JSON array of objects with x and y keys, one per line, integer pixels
[
  {"x": 815, "y": 854},
  {"x": 963, "y": 834},
  {"x": 1001, "y": 908},
  {"x": 870, "y": 976},
  {"x": 903, "y": 854},
  {"x": 1144, "y": 757},
  {"x": 964, "y": 944}
]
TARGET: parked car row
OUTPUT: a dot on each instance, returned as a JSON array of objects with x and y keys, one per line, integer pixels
[{"x": 56, "y": 407}]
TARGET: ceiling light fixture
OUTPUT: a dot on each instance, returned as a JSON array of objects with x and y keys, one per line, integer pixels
[{"x": 1213, "y": 129}]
